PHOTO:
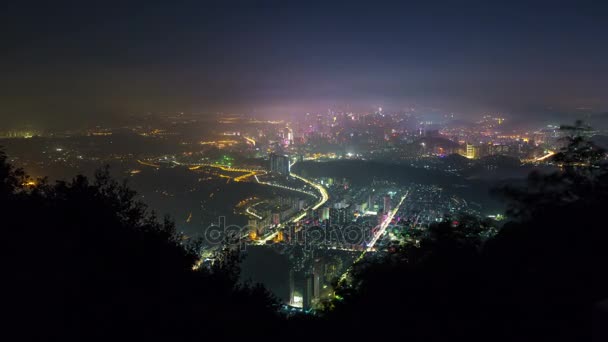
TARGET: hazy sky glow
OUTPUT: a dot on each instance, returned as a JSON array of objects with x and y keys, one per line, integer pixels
[{"x": 80, "y": 62}]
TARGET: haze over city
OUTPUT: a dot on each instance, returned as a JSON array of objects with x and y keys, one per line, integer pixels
[
  {"x": 70, "y": 62},
  {"x": 271, "y": 170}
]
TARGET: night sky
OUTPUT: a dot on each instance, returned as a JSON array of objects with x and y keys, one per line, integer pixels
[{"x": 69, "y": 63}]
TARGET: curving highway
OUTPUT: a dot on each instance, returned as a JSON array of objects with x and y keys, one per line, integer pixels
[
  {"x": 319, "y": 187},
  {"x": 324, "y": 198}
]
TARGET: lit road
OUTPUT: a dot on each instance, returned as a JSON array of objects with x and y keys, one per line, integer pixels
[
  {"x": 322, "y": 200},
  {"x": 546, "y": 156},
  {"x": 141, "y": 162},
  {"x": 541, "y": 158},
  {"x": 250, "y": 140},
  {"x": 286, "y": 187},
  {"x": 250, "y": 172},
  {"x": 252, "y": 213},
  {"x": 382, "y": 228},
  {"x": 385, "y": 224},
  {"x": 319, "y": 187}
]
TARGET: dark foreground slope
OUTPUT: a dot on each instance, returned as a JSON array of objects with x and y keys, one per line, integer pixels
[{"x": 85, "y": 261}]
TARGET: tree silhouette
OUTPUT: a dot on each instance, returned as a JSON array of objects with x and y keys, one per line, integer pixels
[
  {"x": 551, "y": 255},
  {"x": 86, "y": 260},
  {"x": 538, "y": 278},
  {"x": 578, "y": 153},
  {"x": 11, "y": 179}
]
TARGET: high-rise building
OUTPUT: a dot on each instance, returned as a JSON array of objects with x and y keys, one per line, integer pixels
[
  {"x": 387, "y": 203},
  {"x": 288, "y": 135},
  {"x": 279, "y": 164},
  {"x": 301, "y": 204},
  {"x": 325, "y": 213},
  {"x": 253, "y": 229},
  {"x": 334, "y": 216},
  {"x": 276, "y": 219},
  {"x": 308, "y": 291},
  {"x": 472, "y": 151},
  {"x": 339, "y": 215}
]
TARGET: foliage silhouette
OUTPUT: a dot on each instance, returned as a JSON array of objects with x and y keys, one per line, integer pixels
[
  {"x": 87, "y": 260},
  {"x": 537, "y": 278}
]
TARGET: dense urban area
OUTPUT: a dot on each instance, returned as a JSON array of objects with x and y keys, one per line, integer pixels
[{"x": 320, "y": 191}]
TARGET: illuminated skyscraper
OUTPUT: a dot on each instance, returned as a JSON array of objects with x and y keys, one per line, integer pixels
[
  {"x": 472, "y": 151},
  {"x": 325, "y": 213}
]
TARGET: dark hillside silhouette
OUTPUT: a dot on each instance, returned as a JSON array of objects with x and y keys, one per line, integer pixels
[
  {"x": 86, "y": 260},
  {"x": 538, "y": 278}
]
